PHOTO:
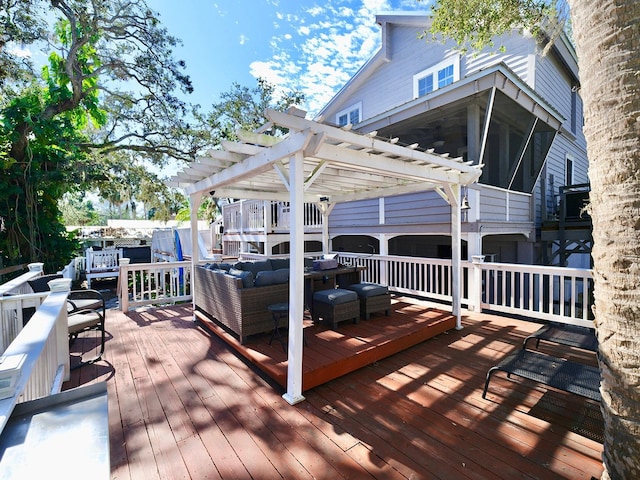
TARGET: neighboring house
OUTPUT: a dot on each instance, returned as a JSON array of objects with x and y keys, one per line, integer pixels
[{"x": 514, "y": 110}]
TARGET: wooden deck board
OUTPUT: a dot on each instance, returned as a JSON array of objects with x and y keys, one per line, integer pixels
[
  {"x": 329, "y": 354},
  {"x": 183, "y": 404}
]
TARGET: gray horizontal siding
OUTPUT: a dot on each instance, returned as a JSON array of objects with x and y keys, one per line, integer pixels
[
  {"x": 425, "y": 208},
  {"x": 494, "y": 204},
  {"x": 391, "y": 84},
  {"x": 554, "y": 84},
  {"x": 517, "y": 56},
  {"x": 350, "y": 214},
  {"x": 420, "y": 208}
]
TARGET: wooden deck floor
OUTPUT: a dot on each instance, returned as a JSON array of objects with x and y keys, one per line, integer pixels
[
  {"x": 183, "y": 404},
  {"x": 330, "y": 354}
]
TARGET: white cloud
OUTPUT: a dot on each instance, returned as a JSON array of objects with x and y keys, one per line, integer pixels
[
  {"x": 20, "y": 52},
  {"x": 326, "y": 45},
  {"x": 243, "y": 39}
]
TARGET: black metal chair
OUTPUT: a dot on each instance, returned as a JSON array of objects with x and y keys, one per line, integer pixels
[{"x": 86, "y": 311}]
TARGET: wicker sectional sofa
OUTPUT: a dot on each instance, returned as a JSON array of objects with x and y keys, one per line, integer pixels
[{"x": 237, "y": 296}]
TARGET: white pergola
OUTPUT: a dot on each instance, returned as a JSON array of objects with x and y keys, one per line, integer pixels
[{"x": 325, "y": 165}]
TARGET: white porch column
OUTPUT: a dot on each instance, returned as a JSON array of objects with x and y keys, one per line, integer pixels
[
  {"x": 475, "y": 284},
  {"x": 384, "y": 251},
  {"x": 296, "y": 281},
  {"x": 325, "y": 231},
  {"x": 456, "y": 236}
]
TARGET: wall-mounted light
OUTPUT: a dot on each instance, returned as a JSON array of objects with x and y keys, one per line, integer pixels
[{"x": 324, "y": 199}]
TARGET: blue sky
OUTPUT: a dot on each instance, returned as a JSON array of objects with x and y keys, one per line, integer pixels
[{"x": 313, "y": 46}]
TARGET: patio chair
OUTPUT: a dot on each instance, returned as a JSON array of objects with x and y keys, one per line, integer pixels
[
  {"x": 86, "y": 311},
  {"x": 76, "y": 300}
]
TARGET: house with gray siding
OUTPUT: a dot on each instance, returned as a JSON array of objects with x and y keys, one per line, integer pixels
[{"x": 516, "y": 110}]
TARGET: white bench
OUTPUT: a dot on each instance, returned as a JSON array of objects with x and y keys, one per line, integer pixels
[{"x": 102, "y": 263}]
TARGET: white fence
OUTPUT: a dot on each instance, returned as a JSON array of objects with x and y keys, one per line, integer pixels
[
  {"x": 153, "y": 283},
  {"x": 557, "y": 294},
  {"x": 15, "y": 310},
  {"x": 548, "y": 293}
]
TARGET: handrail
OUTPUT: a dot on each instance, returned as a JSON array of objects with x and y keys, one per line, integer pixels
[
  {"x": 44, "y": 344},
  {"x": 547, "y": 293},
  {"x": 12, "y": 309},
  {"x": 19, "y": 284}
]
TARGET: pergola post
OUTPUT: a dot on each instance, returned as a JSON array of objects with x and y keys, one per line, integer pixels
[
  {"x": 456, "y": 237},
  {"x": 195, "y": 199},
  {"x": 296, "y": 282}
]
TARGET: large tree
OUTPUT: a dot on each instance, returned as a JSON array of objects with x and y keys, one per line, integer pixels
[
  {"x": 607, "y": 38},
  {"x": 111, "y": 83}
]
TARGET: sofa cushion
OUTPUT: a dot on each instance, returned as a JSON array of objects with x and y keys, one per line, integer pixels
[
  {"x": 274, "y": 277},
  {"x": 279, "y": 263},
  {"x": 246, "y": 276},
  {"x": 335, "y": 296},
  {"x": 366, "y": 290},
  {"x": 254, "y": 267},
  {"x": 218, "y": 266}
]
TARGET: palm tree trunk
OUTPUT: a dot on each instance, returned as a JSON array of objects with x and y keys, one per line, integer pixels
[{"x": 608, "y": 47}]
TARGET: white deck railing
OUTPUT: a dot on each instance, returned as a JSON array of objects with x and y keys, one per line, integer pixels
[
  {"x": 19, "y": 284},
  {"x": 45, "y": 346},
  {"x": 259, "y": 216},
  {"x": 153, "y": 283},
  {"x": 13, "y": 310},
  {"x": 547, "y": 293},
  {"x": 101, "y": 263},
  {"x": 557, "y": 294}
]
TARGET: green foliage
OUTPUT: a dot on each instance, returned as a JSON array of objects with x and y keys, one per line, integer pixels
[
  {"x": 76, "y": 210},
  {"x": 208, "y": 210},
  {"x": 32, "y": 184},
  {"x": 104, "y": 106},
  {"x": 108, "y": 87},
  {"x": 243, "y": 108},
  {"x": 473, "y": 24}
]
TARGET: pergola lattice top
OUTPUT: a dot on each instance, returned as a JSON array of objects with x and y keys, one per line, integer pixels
[{"x": 339, "y": 164}]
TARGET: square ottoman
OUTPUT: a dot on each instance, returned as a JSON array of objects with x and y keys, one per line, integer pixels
[
  {"x": 335, "y": 305},
  {"x": 373, "y": 298}
]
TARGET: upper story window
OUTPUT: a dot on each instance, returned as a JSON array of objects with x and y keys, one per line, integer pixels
[
  {"x": 438, "y": 76},
  {"x": 568, "y": 170},
  {"x": 351, "y": 115}
]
